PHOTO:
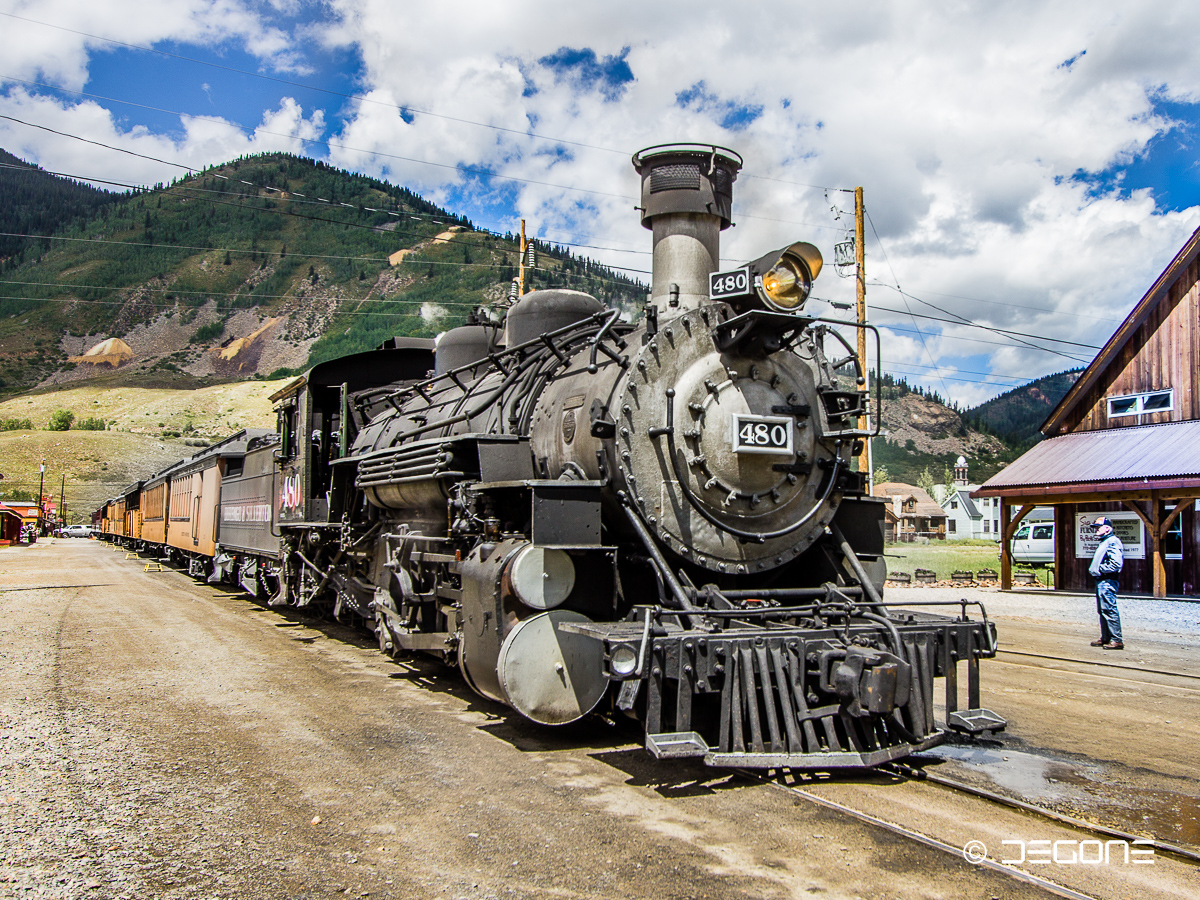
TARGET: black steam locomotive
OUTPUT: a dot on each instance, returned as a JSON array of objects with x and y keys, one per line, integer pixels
[{"x": 658, "y": 519}]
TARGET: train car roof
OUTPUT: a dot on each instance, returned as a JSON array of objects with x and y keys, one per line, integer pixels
[
  {"x": 233, "y": 446},
  {"x": 162, "y": 474},
  {"x": 399, "y": 359},
  {"x": 134, "y": 488}
]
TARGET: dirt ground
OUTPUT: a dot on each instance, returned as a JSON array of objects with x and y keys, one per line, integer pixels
[{"x": 162, "y": 738}]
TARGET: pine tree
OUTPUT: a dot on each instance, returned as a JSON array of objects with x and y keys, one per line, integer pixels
[{"x": 925, "y": 482}]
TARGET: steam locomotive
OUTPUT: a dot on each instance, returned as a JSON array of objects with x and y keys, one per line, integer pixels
[{"x": 658, "y": 519}]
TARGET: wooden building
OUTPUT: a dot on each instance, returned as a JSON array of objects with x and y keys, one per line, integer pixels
[
  {"x": 911, "y": 513},
  {"x": 1125, "y": 442}
]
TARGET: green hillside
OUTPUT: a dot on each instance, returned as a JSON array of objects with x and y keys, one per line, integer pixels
[
  {"x": 36, "y": 202},
  {"x": 277, "y": 250},
  {"x": 1017, "y": 415}
]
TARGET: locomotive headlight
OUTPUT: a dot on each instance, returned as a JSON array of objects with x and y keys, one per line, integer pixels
[
  {"x": 623, "y": 660},
  {"x": 783, "y": 278}
]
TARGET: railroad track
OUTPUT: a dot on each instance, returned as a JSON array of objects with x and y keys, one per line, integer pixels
[
  {"x": 1191, "y": 686},
  {"x": 1100, "y": 665},
  {"x": 918, "y": 774},
  {"x": 808, "y": 787}
]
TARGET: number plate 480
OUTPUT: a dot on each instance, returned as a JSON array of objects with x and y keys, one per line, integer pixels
[{"x": 761, "y": 434}]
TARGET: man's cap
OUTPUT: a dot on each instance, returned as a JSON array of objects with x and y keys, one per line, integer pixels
[{"x": 1102, "y": 521}]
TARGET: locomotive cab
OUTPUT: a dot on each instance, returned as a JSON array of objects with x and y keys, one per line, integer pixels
[{"x": 316, "y": 422}]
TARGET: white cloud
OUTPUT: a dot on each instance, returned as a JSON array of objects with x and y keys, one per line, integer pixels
[
  {"x": 140, "y": 157},
  {"x": 965, "y": 125}
]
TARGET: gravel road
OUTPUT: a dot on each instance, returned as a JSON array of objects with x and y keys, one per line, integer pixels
[{"x": 161, "y": 738}]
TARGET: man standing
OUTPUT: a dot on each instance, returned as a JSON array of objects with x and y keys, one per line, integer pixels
[{"x": 1106, "y": 566}]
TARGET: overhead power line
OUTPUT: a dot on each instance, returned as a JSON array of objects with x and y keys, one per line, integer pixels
[
  {"x": 312, "y": 87},
  {"x": 402, "y": 108},
  {"x": 967, "y": 323},
  {"x": 304, "y": 199}
]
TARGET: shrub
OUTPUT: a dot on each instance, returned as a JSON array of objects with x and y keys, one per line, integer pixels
[
  {"x": 92, "y": 424},
  {"x": 16, "y": 425},
  {"x": 209, "y": 332},
  {"x": 61, "y": 419}
]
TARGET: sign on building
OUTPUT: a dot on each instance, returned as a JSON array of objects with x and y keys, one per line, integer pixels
[{"x": 1126, "y": 525}]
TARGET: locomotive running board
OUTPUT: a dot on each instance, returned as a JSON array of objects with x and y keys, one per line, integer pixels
[{"x": 676, "y": 745}]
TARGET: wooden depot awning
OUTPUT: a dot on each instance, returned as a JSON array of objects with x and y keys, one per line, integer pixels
[{"x": 1140, "y": 466}]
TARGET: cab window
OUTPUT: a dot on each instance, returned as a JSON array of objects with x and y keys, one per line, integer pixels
[
  {"x": 1043, "y": 532},
  {"x": 287, "y": 431},
  {"x": 1022, "y": 533}
]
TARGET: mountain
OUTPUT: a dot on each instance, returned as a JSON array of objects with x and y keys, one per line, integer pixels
[
  {"x": 920, "y": 432},
  {"x": 1017, "y": 414},
  {"x": 263, "y": 266},
  {"x": 36, "y": 202}
]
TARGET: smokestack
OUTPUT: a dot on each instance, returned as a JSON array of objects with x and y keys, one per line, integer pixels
[{"x": 687, "y": 198}]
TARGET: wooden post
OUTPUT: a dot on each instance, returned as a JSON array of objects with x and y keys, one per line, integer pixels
[
  {"x": 860, "y": 258},
  {"x": 521, "y": 289},
  {"x": 1007, "y": 530},
  {"x": 1059, "y": 531},
  {"x": 1005, "y": 559},
  {"x": 1157, "y": 570}
]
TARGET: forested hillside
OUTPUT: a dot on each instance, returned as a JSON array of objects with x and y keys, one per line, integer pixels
[
  {"x": 267, "y": 264},
  {"x": 35, "y": 202},
  {"x": 1018, "y": 414}
]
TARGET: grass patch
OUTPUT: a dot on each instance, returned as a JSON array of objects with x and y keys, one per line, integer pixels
[{"x": 944, "y": 557}]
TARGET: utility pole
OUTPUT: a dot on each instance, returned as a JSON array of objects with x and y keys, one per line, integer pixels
[
  {"x": 41, "y": 504},
  {"x": 860, "y": 280},
  {"x": 524, "y": 246}
]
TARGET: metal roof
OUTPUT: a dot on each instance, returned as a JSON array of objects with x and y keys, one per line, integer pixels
[
  {"x": 1144, "y": 456},
  {"x": 968, "y": 504}
]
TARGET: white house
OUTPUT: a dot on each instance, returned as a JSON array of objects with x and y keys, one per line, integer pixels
[{"x": 967, "y": 518}]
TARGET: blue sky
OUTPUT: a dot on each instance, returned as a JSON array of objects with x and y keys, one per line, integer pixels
[{"x": 1029, "y": 168}]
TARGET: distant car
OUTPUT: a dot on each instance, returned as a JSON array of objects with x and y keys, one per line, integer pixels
[
  {"x": 77, "y": 531},
  {"x": 1034, "y": 543}
]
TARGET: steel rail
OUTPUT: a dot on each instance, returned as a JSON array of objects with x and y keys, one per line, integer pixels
[
  {"x": 916, "y": 774},
  {"x": 1107, "y": 665},
  {"x": 920, "y": 838}
]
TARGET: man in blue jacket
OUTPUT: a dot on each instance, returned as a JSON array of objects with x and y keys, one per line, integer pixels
[{"x": 1106, "y": 566}]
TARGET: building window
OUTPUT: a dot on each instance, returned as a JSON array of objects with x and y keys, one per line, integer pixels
[
  {"x": 952, "y": 525},
  {"x": 954, "y": 504},
  {"x": 987, "y": 524},
  {"x": 1173, "y": 543},
  {"x": 996, "y": 525},
  {"x": 1140, "y": 404}
]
